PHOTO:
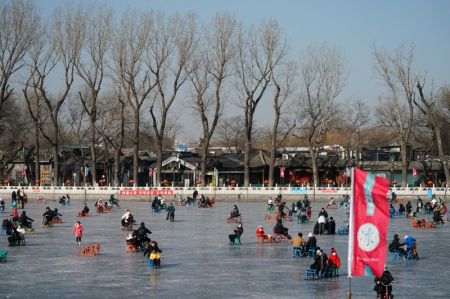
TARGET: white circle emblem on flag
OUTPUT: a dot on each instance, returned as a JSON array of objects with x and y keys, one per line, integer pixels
[{"x": 368, "y": 237}]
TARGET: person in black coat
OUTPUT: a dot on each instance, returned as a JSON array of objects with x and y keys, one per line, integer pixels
[
  {"x": 331, "y": 226},
  {"x": 24, "y": 220},
  {"x": 155, "y": 205},
  {"x": 141, "y": 234},
  {"x": 7, "y": 226},
  {"x": 281, "y": 209},
  {"x": 381, "y": 282},
  {"x": 194, "y": 195},
  {"x": 306, "y": 202},
  {"x": 153, "y": 246},
  {"x": 15, "y": 236},
  {"x": 408, "y": 208},
  {"x": 320, "y": 261},
  {"x": 238, "y": 231},
  {"x": 235, "y": 212},
  {"x": 85, "y": 208},
  {"x": 324, "y": 213},
  {"x": 280, "y": 229},
  {"x": 48, "y": 216},
  {"x": 437, "y": 217},
  {"x": 316, "y": 229},
  {"x": 56, "y": 213},
  {"x": 311, "y": 242},
  {"x": 397, "y": 246}
]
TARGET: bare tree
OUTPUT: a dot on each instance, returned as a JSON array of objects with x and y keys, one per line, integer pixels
[
  {"x": 34, "y": 110},
  {"x": 428, "y": 109},
  {"x": 257, "y": 51},
  {"x": 129, "y": 52},
  {"x": 444, "y": 99},
  {"x": 354, "y": 120},
  {"x": 323, "y": 77},
  {"x": 396, "y": 109},
  {"x": 231, "y": 134},
  {"x": 40, "y": 60},
  {"x": 112, "y": 126},
  {"x": 283, "y": 78},
  {"x": 62, "y": 49},
  {"x": 170, "y": 53},
  {"x": 210, "y": 68},
  {"x": 15, "y": 122},
  {"x": 91, "y": 69},
  {"x": 76, "y": 123},
  {"x": 17, "y": 28}
]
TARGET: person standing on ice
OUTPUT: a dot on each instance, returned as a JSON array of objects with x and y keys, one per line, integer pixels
[{"x": 78, "y": 232}]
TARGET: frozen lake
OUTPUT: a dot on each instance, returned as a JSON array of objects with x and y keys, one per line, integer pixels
[{"x": 197, "y": 261}]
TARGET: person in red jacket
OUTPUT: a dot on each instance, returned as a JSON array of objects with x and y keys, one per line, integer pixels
[
  {"x": 15, "y": 215},
  {"x": 78, "y": 232},
  {"x": 260, "y": 234},
  {"x": 334, "y": 263}
]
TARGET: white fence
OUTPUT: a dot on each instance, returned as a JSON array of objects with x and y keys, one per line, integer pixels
[{"x": 35, "y": 192}]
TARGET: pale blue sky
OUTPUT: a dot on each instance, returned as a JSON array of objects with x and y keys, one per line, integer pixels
[{"x": 351, "y": 26}]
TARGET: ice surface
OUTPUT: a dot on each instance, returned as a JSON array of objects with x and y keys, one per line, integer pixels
[{"x": 197, "y": 261}]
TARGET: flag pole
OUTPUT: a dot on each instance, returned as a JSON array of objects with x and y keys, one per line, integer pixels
[{"x": 350, "y": 236}]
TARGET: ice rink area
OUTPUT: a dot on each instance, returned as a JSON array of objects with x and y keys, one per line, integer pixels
[{"x": 197, "y": 260}]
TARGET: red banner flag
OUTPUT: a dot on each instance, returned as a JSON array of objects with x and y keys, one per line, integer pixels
[
  {"x": 281, "y": 172},
  {"x": 414, "y": 171},
  {"x": 150, "y": 172},
  {"x": 369, "y": 220}
]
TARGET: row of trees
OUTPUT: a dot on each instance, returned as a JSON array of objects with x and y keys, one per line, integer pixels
[{"x": 86, "y": 78}]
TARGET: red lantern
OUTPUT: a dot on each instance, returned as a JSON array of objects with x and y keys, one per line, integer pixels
[
  {"x": 68, "y": 182},
  {"x": 330, "y": 182},
  {"x": 233, "y": 183},
  {"x": 166, "y": 183},
  {"x": 131, "y": 182},
  {"x": 394, "y": 182},
  {"x": 36, "y": 182},
  {"x": 298, "y": 182},
  {"x": 266, "y": 183},
  {"x": 6, "y": 182},
  {"x": 430, "y": 183},
  {"x": 199, "y": 182}
]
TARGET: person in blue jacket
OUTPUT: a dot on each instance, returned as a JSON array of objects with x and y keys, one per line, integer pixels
[{"x": 410, "y": 244}]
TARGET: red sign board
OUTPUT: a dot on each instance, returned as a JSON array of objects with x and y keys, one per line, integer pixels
[
  {"x": 146, "y": 192},
  {"x": 329, "y": 190}
]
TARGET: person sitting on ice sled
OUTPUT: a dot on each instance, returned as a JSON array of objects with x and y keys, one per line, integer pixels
[
  {"x": 153, "y": 253},
  {"x": 383, "y": 282}
]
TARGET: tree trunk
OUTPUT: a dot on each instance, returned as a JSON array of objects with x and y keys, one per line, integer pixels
[
  {"x": 203, "y": 156},
  {"x": 428, "y": 112},
  {"x": 158, "y": 162},
  {"x": 116, "y": 167},
  {"x": 271, "y": 166},
  {"x": 405, "y": 163},
  {"x": 37, "y": 167},
  {"x": 442, "y": 157},
  {"x": 93, "y": 153},
  {"x": 136, "y": 147},
  {"x": 274, "y": 142},
  {"x": 314, "y": 166},
  {"x": 55, "y": 163},
  {"x": 247, "y": 146}
]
